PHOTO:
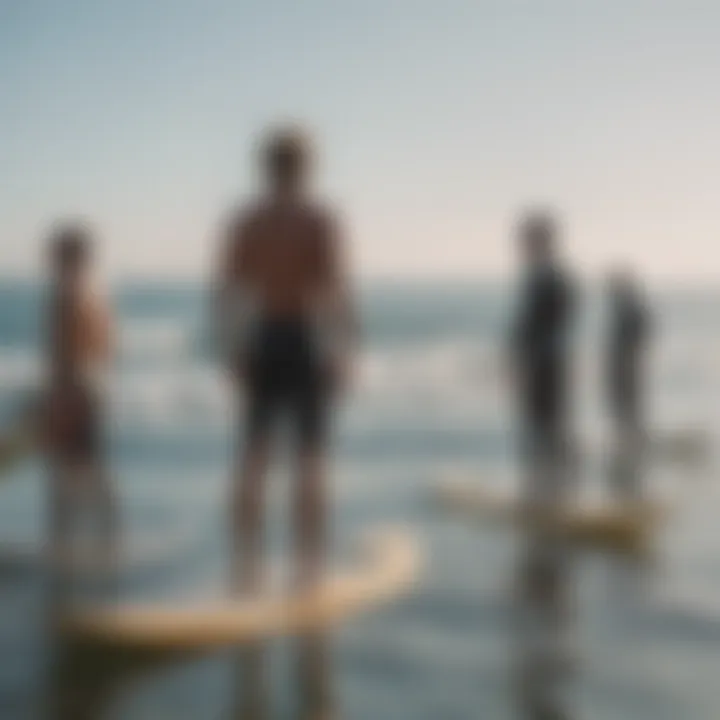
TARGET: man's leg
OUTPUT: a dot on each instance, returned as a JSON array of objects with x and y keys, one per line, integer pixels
[
  {"x": 310, "y": 521},
  {"x": 62, "y": 511},
  {"x": 99, "y": 486},
  {"x": 310, "y": 516},
  {"x": 247, "y": 514},
  {"x": 59, "y": 519},
  {"x": 549, "y": 464},
  {"x": 105, "y": 517}
]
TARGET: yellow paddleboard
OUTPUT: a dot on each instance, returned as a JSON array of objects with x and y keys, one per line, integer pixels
[
  {"x": 608, "y": 524},
  {"x": 388, "y": 567},
  {"x": 682, "y": 446}
]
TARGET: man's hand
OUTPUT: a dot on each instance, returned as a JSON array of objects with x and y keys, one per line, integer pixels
[
  {"x": 341, "y": 373},
  {"x": 239, "y": 373}
]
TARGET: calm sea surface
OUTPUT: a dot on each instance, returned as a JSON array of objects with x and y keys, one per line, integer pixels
[{"x": 639, "y": 641}]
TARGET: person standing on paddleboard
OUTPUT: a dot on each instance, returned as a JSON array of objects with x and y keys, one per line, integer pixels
[
  {"x": 627, "y": 337},
  {"x": 626, "y": 349},
  {"x": 79, "y": 349},
  {"x": 539, "y": 342},
  {"x": 287, "y": 323}
]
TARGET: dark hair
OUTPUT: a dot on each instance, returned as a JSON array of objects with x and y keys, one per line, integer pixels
[
  {"x": 285, "y": 154},
  {"x": 538, "y": 231},
  {"x": 539, "y": 224},
  {"x": 621, "y": 279},
  {"x": 70, "y": 246}
]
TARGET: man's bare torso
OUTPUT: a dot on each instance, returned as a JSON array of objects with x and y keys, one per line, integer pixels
[
  {"x": 79, "y": 333},
  {"x": 281, "y": 253},
  {"x": 79, "y": 349}
]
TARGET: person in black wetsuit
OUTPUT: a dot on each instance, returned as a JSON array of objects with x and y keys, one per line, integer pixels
[
  {"x": 288, "y": 325},
  {"x": 629, "y": 326},
  {"x": 540, "y": 335},
  {"x": 540, "y": 355}
]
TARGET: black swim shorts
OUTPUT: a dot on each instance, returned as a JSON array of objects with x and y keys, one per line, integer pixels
[{"x": 286, "y": 379}]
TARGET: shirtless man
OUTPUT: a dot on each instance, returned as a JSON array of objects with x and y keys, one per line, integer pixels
[
  {"x": 281, "y": 296},
  {"x": 79, "y": 348}
]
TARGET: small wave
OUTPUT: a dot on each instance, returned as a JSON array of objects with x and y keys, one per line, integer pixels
[
  {"x": 444, "y": 366},
  {"x": 164, "y": 340},
  {"x": 189, "y": 395},
  {"x": 19, "y": 367}
]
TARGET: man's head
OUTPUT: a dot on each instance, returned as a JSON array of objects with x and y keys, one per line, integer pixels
[
  {"x": 70, "y": 248},
  {"x": 621, "y": 283},
  {"x": 538, "y": 235},
  {"x": 286, "y": 157}
]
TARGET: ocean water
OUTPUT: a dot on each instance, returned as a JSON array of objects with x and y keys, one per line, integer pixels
[{"x": 641, "y": 638}]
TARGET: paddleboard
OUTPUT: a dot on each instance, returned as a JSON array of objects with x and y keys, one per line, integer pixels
[
  {"x": 597, "y": 523},
  {"x": 387, "y": 567},
  {"x": 681, "y": 446}
]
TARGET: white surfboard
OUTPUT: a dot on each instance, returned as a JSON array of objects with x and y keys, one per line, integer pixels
[
  {"x": 602, "y": 523},
  {"x": 387, "y": 568}
]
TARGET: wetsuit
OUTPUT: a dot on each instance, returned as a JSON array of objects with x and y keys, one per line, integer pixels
[
  {"x": 540, "y": 349},
  {"x": 629, "y": 327}
]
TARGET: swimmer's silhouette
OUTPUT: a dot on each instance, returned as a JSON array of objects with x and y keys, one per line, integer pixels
[
  {"x": 287, "y": 322},
  {"x": 79, "y": 353},
  {"x": 540, "y": 352},
  {"x": 626, "y": 349}
]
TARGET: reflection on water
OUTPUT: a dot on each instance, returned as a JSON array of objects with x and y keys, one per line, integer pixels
[
  {"x": 313, "y": 696},
  {"x": 415, "y": 412},
  {"x": 626, "y": 470},
  {"x": 544, "y": 580},
  {"x": 87, "y": 681},
  {"x": 545, "y": 671},
  {"x": 544, "y": 604}
]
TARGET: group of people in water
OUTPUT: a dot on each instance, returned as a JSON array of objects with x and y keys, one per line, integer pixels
[
  {"x": 541, "y": 356},
  {"x": 541, "y": 341},
  {"x": 287, "y": 329}
]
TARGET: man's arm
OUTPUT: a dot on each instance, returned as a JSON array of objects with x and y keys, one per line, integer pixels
[
  {"x": 340, "y": 297},
  {"x": 223, "y": 269},
  {"x": 225, "y": 280},
  {"x": 645, "y": 320},
  {"x": 567, "y": 299},
  {"x": 339, "y": 301},
  {"x": 98, "y": 326},
  {"x": 515, "y": 340}
]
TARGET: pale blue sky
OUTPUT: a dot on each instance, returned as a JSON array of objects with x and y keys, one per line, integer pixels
[{"x": 437, "y": 121}]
